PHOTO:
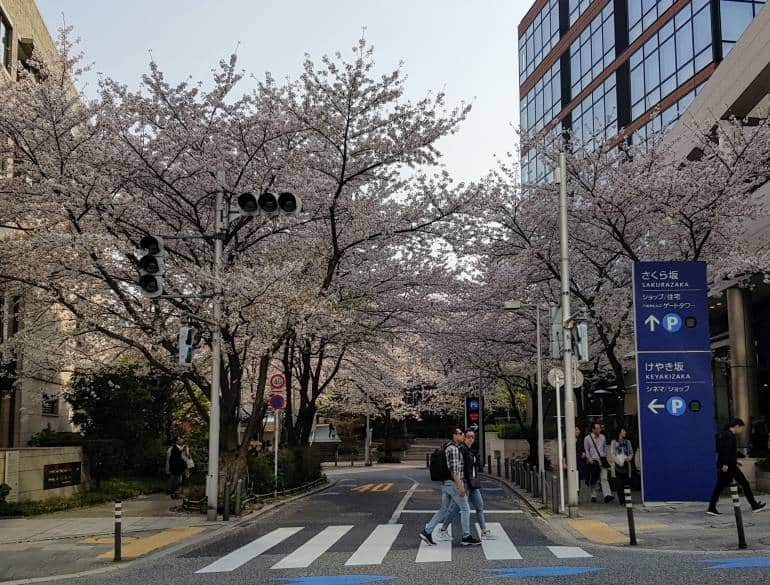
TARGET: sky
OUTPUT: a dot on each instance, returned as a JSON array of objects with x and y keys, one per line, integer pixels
[{"x": 465, "y": 47}]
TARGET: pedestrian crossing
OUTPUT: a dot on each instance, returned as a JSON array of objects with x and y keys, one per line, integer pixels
[{"x": 374, "y": 548}]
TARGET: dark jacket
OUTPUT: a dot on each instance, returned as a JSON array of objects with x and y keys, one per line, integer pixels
[
  {"x": 727, "y": 450},
  {"x": 470, "y": 463},
  {"x": 176, "y": 462}
]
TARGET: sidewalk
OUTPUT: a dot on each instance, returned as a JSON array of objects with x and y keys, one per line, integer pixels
[
  {"x": 82, "y": 540},
  {"x": 679, "y": 527}
]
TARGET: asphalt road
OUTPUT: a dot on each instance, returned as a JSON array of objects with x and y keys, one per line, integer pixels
[{"x": 364, "y": 529}]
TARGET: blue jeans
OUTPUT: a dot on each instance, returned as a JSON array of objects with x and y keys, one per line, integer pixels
[
  {"x": 450, "y": 496},
  {"x": 474, "y": 497}
]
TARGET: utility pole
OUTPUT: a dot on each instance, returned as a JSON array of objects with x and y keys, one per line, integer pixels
[
  {"x": 212, "y": 480},
  {"x": 367, "y": 442},
  {"x": 569, "y": 393}
]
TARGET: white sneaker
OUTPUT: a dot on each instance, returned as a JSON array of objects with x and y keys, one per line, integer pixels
[
  {"x": 443, "y": 534},
  {"x": 486, "y": 534}
]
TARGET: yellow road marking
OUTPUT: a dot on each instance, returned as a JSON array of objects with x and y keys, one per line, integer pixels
[
  {"x": 363, "y": 488},
  {"x": 106, "y": 540},
  {"x": 598, "y": 532},
  {"x": 382, "y": 487},
  {"x": 143, "y": 546},
  {"x": 624, "y": 527}
]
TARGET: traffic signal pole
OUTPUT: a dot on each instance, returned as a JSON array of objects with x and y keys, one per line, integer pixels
[
  {"x": 212, "y": 480},
  {"x": 569, "y": 393}
]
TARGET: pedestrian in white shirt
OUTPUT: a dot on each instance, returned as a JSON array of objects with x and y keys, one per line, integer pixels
[{"x": 595, "y": 445}]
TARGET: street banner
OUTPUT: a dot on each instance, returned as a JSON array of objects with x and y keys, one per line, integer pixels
[{"x": 674, "y": 381}]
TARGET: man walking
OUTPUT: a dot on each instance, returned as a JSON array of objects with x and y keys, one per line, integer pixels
[
  {"x": 728, "y": 468},
  {"x": 175, "y": 466},
  {"x": 595, "y": 445},
  {"x": 453, "y": 491},
  {"x": 472, "y": 487}
]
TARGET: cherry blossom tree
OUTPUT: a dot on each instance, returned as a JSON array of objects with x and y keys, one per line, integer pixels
[{"x": 92, "y": 177}]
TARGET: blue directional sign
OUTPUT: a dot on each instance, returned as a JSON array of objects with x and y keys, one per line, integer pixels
[{"x": 675, "y": 387}]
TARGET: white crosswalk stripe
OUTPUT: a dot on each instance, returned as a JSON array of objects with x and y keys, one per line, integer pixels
[
  {"x": 313, "y": 548},
  {"x": 247, "y": 552},
  {"x": 440, "y": 553},
  {"x": 375, "y": 548},
  {"x": 501, "y": 548},
  {"x": 568, "y": 552}
]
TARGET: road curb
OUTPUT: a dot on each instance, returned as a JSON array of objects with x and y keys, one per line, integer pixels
[
  {"x": 195, "y": 541},
  {"x": 559, "y": 524}
]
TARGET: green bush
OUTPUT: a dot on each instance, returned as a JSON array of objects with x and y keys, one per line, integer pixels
[
  {"x": 764, "y": 465},
  {"x": 110, "y": 491},
  {"x": 388, "y": 459},
  {"x": 508, "y": 431},
  {"x": 49, "y": 438},
  {"x": 296, "y": 467},
  {"x": 5, "y": 489}
]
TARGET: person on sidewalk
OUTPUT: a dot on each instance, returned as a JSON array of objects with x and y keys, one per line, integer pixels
[
  {"x": 728, "y": 467},
  {"x": 175, "y": 466},
  {"x": 621, "y": 456},
  {"x": 453, "y": 491},
  {"x": 595, "y": 445},
  {"x": 471, "y": 465}
]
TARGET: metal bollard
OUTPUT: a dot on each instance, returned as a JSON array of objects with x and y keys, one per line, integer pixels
[
  {"x": 336, "y": 458},
  {"x": 738, "y": 516},
  {"x": 507, "y": 468},
  {"x": 238, "y": 497},
  {"x": 489, "y": 464},
  {"x": 226, "y": 511},
  {"x": 118, "y": 527},
  {"x": 555, "y": 492},
  {"x": 630, "y": 513},
  {"x": 427, "y": 460},
  {"x": 499, "y": 472}
]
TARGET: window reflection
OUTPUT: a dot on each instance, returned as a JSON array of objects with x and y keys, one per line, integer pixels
[{"x": 538, "y": 40}]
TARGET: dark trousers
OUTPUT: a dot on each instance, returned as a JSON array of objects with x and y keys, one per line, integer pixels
[
  {"x": 724, "y": 478},
  {"x": 174, "y": 481},
  {"x": 621, "y": 481}
]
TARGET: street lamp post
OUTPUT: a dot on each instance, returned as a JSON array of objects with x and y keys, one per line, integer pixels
[
  {"x": 515, "y": 306},
  {"x": 569, "y": 393}
]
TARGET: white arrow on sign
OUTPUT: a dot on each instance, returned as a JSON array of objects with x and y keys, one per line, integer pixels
[
  {"x": 655, "y": 407},
  {"x": 652, "y": 322}
]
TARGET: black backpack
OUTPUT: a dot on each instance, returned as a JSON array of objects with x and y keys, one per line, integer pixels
[{"x": 439, "y": 470}]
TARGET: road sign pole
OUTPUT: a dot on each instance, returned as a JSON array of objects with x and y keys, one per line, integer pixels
[
  {"x": 559, "y": 466},
  {"x": 367, "y": 443},
  {"x": 276, "y": 439},
  {"x": 540, "y": 415},
  {"x": 569, "y": 394}
]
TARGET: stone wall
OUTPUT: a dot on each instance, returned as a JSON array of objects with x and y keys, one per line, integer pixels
[
  {"x": 23, "y": 470},
  {"x": 515, "y": 449}
]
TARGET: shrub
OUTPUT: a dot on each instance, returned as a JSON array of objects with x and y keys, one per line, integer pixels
[
  {"x": 509, "y": 431},
  {"x": 49, "y": 438},
  {"x": 388, "y": 459},
  {"x": 296, "y": 466},
  {"x": 5, "y": 489}
]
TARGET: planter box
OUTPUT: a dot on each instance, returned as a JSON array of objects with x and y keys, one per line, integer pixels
[{"x": 763, "y": 481}]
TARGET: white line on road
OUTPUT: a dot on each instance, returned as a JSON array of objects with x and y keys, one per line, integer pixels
[
  {"x": 472, "y": 512},
  {"x": 440, "y": 553},
  {"x": 568, "y": 552},
  {"x": 376, "y": 546},
  {"x": 244, "y": 554},
  {"x": 501, "y": 548},
  {"x": 402, "y": 504},
  {"x": 305, "y": 555}
]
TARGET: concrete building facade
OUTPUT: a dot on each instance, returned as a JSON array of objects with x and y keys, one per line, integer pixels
[{"x": 30, "y": 400}]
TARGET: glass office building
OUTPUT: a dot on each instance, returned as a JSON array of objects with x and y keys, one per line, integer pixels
[{"x": 619, "y": 68}]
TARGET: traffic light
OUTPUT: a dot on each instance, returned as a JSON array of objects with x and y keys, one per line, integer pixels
[
  {"x": 151, "y": 267},
  {"x": 269, "y": 205},
  {"x": 186, "y": 340}
]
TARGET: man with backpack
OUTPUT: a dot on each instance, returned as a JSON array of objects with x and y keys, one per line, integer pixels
[{"x": 447, "y": 466}]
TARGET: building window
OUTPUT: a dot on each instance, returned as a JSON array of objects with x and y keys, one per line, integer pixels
[
  {"x": 642, "y": 13},
  {"x": 736, "y": 16},
  {"x": 5, "y": 42},
  {"x": 542, "y": 103},
  {"x": 576, "y": 8},
  {"x": 538, "y": 40},
  {"x": 595, "y": 119},
  {"x": 671, "y": 57},
  {"x": 664, "y": 120},
  {"x": 50, "y": 405},
  {"x": 593, "y": 51}
]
